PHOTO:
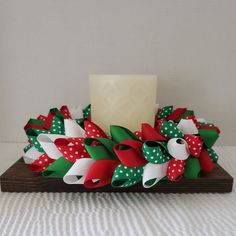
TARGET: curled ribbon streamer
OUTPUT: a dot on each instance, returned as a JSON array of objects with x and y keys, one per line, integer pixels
[
  {"x": 100, "y": 148},
  {"x": 71, "y": 148},
  {"x": 153, "y": 173},
  {"x": 77, "y": 173},
  {"x": 129, "y": 153},
  {"x": 47, "y": 143},
  {"x": 58, "y": 168},
  {"x": 73, "y": 129},
  {"x": 178, "y": 148},
  {"x": 125, "y": 176},
  {"x": 120, "y": 134},
  {"x": 100, "y": 173},
  {"x": 187, "y": 126},
  {"x": 155, "y": 152}
]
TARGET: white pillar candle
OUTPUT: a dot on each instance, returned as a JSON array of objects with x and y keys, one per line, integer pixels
[{"x": 126, "y": 100}]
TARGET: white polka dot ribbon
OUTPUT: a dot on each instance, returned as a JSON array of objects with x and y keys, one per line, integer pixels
[
  {"x": 73, "y": 129},
  {"x": 187, "y": 126},
  {"x": 77, "y": 173},
  {"x": 178, "y": 148},
  {"x": 153, "y": 173},
  {"x": 47, "y": 143},
  {"x": 31, "y": 155}
]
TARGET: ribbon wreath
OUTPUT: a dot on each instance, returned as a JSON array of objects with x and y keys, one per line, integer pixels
[{"x": 67, "y": 144}]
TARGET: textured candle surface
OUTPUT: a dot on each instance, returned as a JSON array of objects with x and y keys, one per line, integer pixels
[{"x": 126, "y": 100}]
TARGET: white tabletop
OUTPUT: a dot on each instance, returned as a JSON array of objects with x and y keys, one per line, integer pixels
[{"x": 117, "y": 213}]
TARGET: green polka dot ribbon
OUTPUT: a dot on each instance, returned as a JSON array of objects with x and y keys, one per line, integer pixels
[
  {"x": 87, "y": 111},
  {"x": 125, "y": 177},
  {"x": 58, "y": 168},
  {"x": 169, "y": 130},
  {"x": 165, "y": 112},
  {"x": 32, "y": 134},
  {"x": 100, "y": 148},
  {"x": 28, "y": 147},
  {"x": 206, "y": 124},
  {"x": 155, "y": 152},
  {"x": 192, "y": 168},
  {"x": 213, "y": 155},
  {"x": 120, "y": 134},
  {"x": 209, "y": 136},
  {"x": 57, "y": 126},
  {"x": 187, "y": 113}
]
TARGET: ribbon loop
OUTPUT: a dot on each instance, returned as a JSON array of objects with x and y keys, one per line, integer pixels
[
  {"x": 155, "y": 152},
  {"x": 129, "y": 153}
]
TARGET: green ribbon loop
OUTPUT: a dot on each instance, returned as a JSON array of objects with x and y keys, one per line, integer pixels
[
  {"x": 169, "y": 130},
  {"x": 155, "y": 152},
  {"x": 209, "y": 136},
  {"x": 32, "y": 134},
  {"x": 125, "y": 176},
  {"x": 206, "y": 124},
  {"x": 192, "y": 168},
  {"x": 187, "y": 113},
  {"x": 27, "y": 148},
  {"x": 105, "y": 149},
  {"x": 57, "y": 126},
  {"x": 58, "y": 168},
  {"x": 213, "y": 155},
  {"x": 120, "y": 134},
  {"x": 165, "y": 112},
  {"x": 87, "y": 111}
]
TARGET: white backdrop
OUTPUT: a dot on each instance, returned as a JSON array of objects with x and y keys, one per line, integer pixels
[{"x": 48, "y": 47}]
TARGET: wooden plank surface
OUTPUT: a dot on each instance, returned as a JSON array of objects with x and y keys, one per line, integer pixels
[{"x": 19, "y": 179}]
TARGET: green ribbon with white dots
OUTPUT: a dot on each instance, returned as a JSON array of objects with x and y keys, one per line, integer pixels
[
  {"x": 155, "y": 152},
  {"x": 165, "y": 112},
  {"x": 32, "y": 135},
  {"x": 170, "y": 130},
  {"x": 213, "y": 155},
  {"x": 87, "y": 111},
  {"x": 125, "y": 176}
]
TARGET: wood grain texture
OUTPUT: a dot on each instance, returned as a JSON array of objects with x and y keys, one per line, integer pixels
[{"x": 19, "y": 179}]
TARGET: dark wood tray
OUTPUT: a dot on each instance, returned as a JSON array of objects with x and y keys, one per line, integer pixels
[{"x": 19, "y": 179}]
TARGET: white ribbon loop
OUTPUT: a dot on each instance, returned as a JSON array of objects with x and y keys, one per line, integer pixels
[
  {"x": 77, "y": 173},
  {"x": 178, "y": 148},
  {"x": 31, "y": 155},
  {"x": 154, "y": 172},
  {"x": 187, "y": 126},
  {"x": 47, "y": 143},
  {"x": 72, "y": 129}
]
